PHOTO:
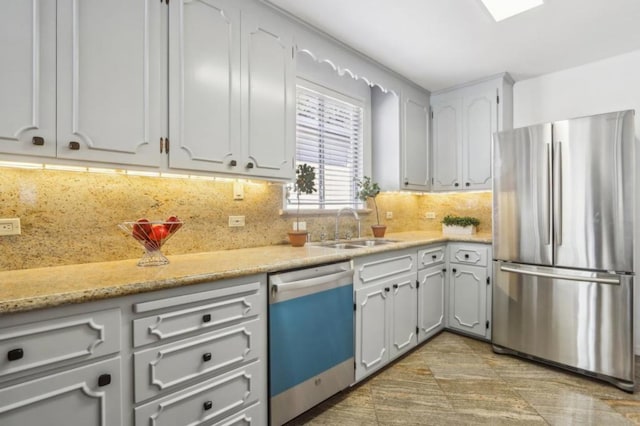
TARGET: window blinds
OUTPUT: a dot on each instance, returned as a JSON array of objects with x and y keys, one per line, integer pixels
[{"x": 329, "y": 138}]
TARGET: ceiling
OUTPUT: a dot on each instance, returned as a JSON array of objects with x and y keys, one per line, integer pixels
[{"x": 442, "y": 43}]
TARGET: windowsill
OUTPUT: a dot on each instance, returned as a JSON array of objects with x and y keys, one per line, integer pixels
[{"x": 318, "y": 212}]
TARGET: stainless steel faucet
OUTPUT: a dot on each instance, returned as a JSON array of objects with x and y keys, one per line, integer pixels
[{"x": 355, "y": 216}]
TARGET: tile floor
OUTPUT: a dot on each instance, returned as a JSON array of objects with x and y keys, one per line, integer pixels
[{"x": 455, "y": 380}]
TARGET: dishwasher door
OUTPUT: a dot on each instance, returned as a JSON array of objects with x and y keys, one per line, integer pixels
[{"x": 311, "y": 343}]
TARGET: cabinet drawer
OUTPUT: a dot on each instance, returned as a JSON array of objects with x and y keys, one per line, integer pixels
[
  {"x": 468, "y": 254},
  {"x": 157, "y": 369},
  {"x": 58, "y": 341},
  {"x": 252, "y": 416},
  {"x": 205, "y": 401},
  {"x": 218, "y": 312},
  {"x": 88, "y": 395},
  {"x": 374, "y": 269},
  {"x": 431, "y": 256}
]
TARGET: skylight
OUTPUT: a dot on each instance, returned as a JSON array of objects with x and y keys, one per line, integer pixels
[{"x": 503, "y": 9}]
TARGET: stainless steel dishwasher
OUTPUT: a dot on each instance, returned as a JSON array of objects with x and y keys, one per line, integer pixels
[{"x": 310, "y": 338}]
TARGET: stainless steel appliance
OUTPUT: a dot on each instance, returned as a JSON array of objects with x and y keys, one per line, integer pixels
[
  {"x": 310, "y": 338},
  {"x": 563, "y": 226}
]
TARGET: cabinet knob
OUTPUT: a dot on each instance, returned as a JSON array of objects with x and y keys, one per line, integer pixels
[
  {"x": 466, "y": 256},
  {"x": 433, "y": 256},
  {"x": 207, "y": 405},
  {"x": 406, "y": 181},
  {"x": 104, "y": 380},
  {"x": 233, "y": 163},
  {"x": 444, "y": 270},
  {"x": 395, "y": 286},
  {"x": 206, "y": 357},
  {"x": 15, "y": 354},
  {"x": 74, "y": 146},
  {"x": 387, "y": 289},
  {"x": 455, "y": 184},
  {"x": 37, "y": 140},
  {"x": 249, "y": 165},
  {"x": 206, "y": 318},
  {"x": 454, "y": 270},
  {"x": 467, "y": 184}
]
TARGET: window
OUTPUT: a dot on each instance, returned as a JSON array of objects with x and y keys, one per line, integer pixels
[{"x": 329, "y": 137}]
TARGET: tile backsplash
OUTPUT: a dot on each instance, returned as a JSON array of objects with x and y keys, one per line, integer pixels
[{"x": 72, "y": 217}]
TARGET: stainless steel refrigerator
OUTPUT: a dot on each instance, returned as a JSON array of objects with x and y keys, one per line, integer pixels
[{"x": 563, "y": 227}]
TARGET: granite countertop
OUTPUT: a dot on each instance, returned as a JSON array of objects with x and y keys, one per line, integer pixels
[{"x": 27, "y": 289}]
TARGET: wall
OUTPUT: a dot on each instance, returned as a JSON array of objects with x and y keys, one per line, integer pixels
[
  {"x": 72, "y": 217},
  {"x": 609, "y": 85}
]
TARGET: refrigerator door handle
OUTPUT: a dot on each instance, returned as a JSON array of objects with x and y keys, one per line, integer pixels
[
  {"x": 613, "y": 281},
  {"x": 549, "y": 236},
  {"x": 558, "y": 193}
]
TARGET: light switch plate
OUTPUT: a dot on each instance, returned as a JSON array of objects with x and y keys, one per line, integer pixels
[
  {"x": 236, "y": 221},
  {"x": 430, "y": 215},
  {"x": 10, "y": 226},
  {"x": 389, "y": 215}
]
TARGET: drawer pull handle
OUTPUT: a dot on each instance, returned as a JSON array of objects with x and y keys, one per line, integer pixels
[
  {"x": 206, "y": 318},
  {"x": 466, "y": 256},
  {"x": 207, "y": 405},
  {"x": 15, "y": 354},
  {"x": 395, "y": 286},
  {"x": 104, "y": 380},
  {"x": 37, "y": 140},
  {"x": 74, "y": 146},
  {"x": 206, "y": 357}
]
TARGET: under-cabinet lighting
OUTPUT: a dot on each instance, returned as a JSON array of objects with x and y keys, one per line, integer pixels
[
  {"x": 503, "y": 9},
  {"x": 64, "y": 168}
]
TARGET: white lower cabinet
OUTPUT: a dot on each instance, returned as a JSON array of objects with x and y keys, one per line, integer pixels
[
  {"x": 83, "y": 396},
  {"x": 431, "y": 301},
  {"x": 386, "y": 316},
  {"x": 469, "y": 289},
  {"x": 193, "y": 355}
]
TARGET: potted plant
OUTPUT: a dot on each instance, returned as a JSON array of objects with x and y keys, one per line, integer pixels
[
  {"x": 304, "y": 184},
  {"x": 465, "y": 225},
  {"x": 369, "y": 189}
]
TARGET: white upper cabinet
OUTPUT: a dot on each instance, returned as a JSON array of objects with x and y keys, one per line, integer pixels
[
  {"x": 400, "y": 139},
  {"x": 464, "y": 121},
  {"x": 415, "y": 140},
  {"x": 28, "y": 83},
  {"x": 108, "y": 81},
  {"x": 231, "y": 91},
  {"x": 204, "y": 85},
  {"x": 268, "y": 95}
]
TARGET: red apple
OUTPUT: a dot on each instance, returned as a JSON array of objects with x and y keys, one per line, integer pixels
[
  {"x": 173, "y": 227},
  {"x": 158, "y": 233},
  {"x": 142, "y": 230}
]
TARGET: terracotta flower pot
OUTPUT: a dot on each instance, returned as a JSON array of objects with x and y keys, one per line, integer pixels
[
  {"x": 378, "y": 230},
  {"x": 297, "y": 238}
]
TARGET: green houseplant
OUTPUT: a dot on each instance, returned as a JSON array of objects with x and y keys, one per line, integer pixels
[
  {"x": 303, "y": 184},
  {"x": 367, "y": 188},
  {"x": 459, "y": 224}
]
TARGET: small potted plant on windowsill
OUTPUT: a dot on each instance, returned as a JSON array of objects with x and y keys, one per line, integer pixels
[
  {"x": 369, "y": 189},
  {"x": 304, "y": 184},
  {"x": 459, "y": 225}
]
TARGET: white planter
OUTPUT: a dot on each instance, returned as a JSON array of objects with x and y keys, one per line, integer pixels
[{"x": 458, "y": 230}]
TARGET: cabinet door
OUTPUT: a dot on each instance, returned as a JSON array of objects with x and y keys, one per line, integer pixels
[
  {"x": 204, "y": 85},
  {"x": 372, "y": 328},
  {"x": 468, "y": 299},
  {"x": 109, "y": 81},
  {"x": 480, "y": 121},
  {"x": 84, "y": 396},
  {"x": 404, "y": 315},
  {"x": 431, "y": 301},
  {"x": 446, "y": 144},
  {"x": 268, "y": 110},
  {"x": 28, "y": 83},
  {"x": 415, "y": 147}
]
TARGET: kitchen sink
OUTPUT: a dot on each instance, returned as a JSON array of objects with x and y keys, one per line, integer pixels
[
  {"x": 372, "y": 243},
  {"x": 342, "y": 246}
]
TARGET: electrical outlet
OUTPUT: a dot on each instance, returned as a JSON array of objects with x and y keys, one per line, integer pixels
[
  {"x": 299, "y": 226},
  {"x": 389, "y": 215},
  {"x": 238, "y": 191},
  {"x": 10, "y": 226},
  {"x": 430, "y": 215},
  {"x": 236, "y": 221}
]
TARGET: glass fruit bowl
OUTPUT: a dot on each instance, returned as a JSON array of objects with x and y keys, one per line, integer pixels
[{"x": 152, "y": 236}]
